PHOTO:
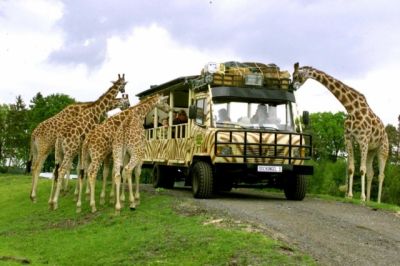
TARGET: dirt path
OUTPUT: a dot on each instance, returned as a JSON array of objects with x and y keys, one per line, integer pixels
[{"x": 333, "y": 233}]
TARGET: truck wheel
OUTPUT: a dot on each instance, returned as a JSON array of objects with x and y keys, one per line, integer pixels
[
  {"x": 157, "y": 176},
  {"x": 162, "y": 177},
  {"x": 295, "y": 186},
  {"x": 169, "y": 177},
  {"x": 202, "y": 180}
]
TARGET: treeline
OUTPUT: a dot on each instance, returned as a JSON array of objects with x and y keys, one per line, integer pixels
[
  {"x": 17, "y": 121},
  {"x": 330, "y": 161}
]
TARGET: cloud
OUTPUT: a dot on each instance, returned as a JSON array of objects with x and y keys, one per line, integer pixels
[
  {"x": 327, "y": 34},
  {"x": 149, "y": 55}
]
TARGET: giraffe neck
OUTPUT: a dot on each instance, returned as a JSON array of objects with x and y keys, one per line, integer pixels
[
  {"x": 106, "y": 102},
  {"x": 351, "y": 99},
  {"x": 144, "y": 107}
]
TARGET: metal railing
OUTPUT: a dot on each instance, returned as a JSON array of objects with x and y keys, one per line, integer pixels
[{"x": 248, "y": 144}]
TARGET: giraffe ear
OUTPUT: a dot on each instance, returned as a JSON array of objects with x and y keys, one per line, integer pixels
[{"x": 296, "y": 66}]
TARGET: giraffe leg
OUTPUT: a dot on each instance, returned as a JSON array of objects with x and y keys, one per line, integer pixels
[
  {"x": 138, "y": 172},
  {"x": 350, "y": 166},
  {"x": 79, "y": 185},
  {"x": 127, "y": 173},
  {"x": 112, "y": 191},
  {"x": 66, "y": 164},
  {"x": 363, "y": 167},
  {"x": 382, "y": 157},
  {"x": 37, "y": 167},
  {"x": 106, "y": 171},
  {"x": 128, "y": 177},
  {"x": 370, "y": 172},
  {"x": 118, "y": 159},
  {"x": 92, "y": 172},
  {"x": 117, "y": 180},
  {"x": 124, "y": 180},
  {"x": 64, "y": 185},
  {"x": 54, "y": 180}
]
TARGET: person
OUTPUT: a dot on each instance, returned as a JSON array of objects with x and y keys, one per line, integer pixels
[
  {"x": 180, "y": 118},
  {"x": 260, "y": 117},
  {"x": 163, "y": 131},
  {"x": 223, "y": 116},
  {"x": 272, "y": 115}
]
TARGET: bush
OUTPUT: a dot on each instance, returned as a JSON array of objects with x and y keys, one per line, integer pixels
[
  {"x": 391, "y": 184},
  {"x": 330, "y": 176}
]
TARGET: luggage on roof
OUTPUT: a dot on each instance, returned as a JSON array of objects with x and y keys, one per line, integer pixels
[{"x": 238, "y": 74}]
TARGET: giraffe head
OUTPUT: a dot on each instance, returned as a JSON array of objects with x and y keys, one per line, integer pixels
[
  {"x": 122, "y": 103},
  {"x": 162, "y": 103},
  {"x": 300, "y": 75},
  {"x": 120, "y": 83}
]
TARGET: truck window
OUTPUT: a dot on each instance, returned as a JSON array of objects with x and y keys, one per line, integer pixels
[{"x": 201, "y": 111}]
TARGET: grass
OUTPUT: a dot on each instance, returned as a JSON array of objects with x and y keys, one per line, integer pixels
[
  {"x": 162, "y": 231},
  {"x": 356, "y": 200}
]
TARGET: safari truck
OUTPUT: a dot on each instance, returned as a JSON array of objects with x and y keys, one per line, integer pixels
[{"x": 231, "y": 126}]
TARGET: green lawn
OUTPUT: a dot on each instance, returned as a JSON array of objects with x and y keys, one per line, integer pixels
[{"x": 157, "y": 233}]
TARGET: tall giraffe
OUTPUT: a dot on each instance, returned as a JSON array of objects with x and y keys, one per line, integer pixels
[
  {"x": 43, "y": 139},
  {"x": 122, "y": 103},
  {"x": 362, "y": 126},
  {"x": 121, "y": 134},
  {"x": 71, "y": 135}
]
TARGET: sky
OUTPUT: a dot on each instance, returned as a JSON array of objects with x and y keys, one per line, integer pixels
[{"x": 76, "y": 47}]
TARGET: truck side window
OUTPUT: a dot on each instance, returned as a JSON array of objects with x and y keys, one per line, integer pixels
[{"x": 200, "y": 117}]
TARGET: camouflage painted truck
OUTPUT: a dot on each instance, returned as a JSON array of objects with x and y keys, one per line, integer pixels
[{"x": 240, "y": 132}]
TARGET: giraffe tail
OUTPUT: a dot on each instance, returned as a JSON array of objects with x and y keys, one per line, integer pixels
[{"x": 30, "y": 159}]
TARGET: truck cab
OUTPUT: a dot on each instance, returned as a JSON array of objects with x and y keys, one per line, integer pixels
[{"x": 231, "y": 126}]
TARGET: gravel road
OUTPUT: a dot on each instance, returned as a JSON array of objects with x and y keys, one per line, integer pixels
[{"x": 333, "y": 233}]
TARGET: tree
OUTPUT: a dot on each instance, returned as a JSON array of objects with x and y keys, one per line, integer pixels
[
  {"x": 327, "y": 130},
  {"x": 4, "y": 109},
  {"x": 42, "y": 108},
  {"x": 394, "y": 139},
  {"x": 17, "y": 136}
]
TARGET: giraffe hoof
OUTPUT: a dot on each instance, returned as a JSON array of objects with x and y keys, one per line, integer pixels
[
  {"x": 132, "y": 208},
  {"x": 94, "y": 209},
  {"x": 33, "y": 199},
  {"x": 102, "y": 201},
  {"x": 78, "y": 210}
]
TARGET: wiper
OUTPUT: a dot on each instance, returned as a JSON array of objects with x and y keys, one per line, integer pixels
[{"x": 230, "y": 124}]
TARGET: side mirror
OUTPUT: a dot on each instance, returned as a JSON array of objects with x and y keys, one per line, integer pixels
[
  {"x": 192, "y": 111},
  {"x": 306, "y": 118}
]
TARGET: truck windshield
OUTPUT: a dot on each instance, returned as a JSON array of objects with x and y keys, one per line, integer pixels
[{"x": 268, "y": 116}]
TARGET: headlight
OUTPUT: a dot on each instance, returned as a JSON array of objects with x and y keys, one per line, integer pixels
[{"x": 226, "y": 151}]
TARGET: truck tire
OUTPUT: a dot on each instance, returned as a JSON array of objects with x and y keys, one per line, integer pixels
[
  {"x": 157, "y": 176},
  {"x": 295, "y": 186},
  {"x": 162, "y": 177},
  {"x": 202, "y": 180}
]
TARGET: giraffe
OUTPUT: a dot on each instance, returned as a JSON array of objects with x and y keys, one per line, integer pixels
[
  {"x": 70, "y": 136},
  {"x": 43, "y": 139},
  {"x": 122, "y": 103},
  {"x": 362, "y": 126},
  {"x": 121, "y": 135}
]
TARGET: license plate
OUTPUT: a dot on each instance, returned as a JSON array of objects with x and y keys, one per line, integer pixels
[{"x": 269, "y": 168}]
